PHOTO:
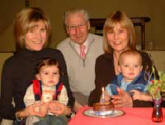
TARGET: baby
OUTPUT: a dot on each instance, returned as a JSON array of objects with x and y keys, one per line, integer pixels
[
  {"x": 132, "y": 78},
  {"x": 46, "y": 89}
]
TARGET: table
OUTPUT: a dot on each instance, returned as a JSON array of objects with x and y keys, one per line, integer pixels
[{"x": 132, "y": 116}]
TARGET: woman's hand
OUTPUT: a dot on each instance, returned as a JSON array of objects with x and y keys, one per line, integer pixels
[
  {"x": 137, "y": 95},
  {"x": 58, "y": 109},
  {"x": 123, "y": 99},
  {"x": 37, "y": 109}
]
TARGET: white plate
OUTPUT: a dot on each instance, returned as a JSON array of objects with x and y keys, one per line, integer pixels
[{"x": 105, "y": 114}]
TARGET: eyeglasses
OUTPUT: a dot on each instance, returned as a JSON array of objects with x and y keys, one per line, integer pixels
[{"x": 80, "y": 26}]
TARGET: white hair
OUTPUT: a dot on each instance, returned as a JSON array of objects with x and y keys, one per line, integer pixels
[{"x": 75, "y": 11}]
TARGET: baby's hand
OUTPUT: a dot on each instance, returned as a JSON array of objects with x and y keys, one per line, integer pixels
[
  {"x": 37, "y": 109},
  {"x": 56, "y": 108},
  {"x": 43, "y": 109}
]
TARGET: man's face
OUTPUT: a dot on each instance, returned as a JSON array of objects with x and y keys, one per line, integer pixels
[{"x": 77, "y": 27}]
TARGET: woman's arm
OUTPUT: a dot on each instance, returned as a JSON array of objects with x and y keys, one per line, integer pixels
[
  {"x": 104, "y": 73},
  {"x": 20, "y": 115},
  {"x": 7, "y": 110},
  {"x": 123, "y": 99},
  {"x": 64, "y": 78},
  {"x": 137, "y": 95},
  {"x": 58, "y": 108},
  {"x": 36, "y": 109}
]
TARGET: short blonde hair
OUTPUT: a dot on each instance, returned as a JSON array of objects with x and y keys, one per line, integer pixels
[
  {"x": 132, "y": 53},
  {"x": 25, "y": 20},
  {"x": 125, "y": 22}
]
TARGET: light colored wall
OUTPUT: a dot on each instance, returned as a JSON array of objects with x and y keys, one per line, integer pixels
[
  {"x": 97, "y": 9},
  {"x": 159, "y": 61},
  {"x": 8, "y": 10}
]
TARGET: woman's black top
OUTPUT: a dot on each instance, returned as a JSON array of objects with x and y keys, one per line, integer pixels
[{"x": 17, "y": 73}]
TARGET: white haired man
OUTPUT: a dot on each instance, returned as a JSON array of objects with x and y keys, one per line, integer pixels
[{"x": 80, "y": 51}]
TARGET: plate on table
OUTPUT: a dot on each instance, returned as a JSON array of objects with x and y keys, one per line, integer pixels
[{"x": 103, "y": 114}]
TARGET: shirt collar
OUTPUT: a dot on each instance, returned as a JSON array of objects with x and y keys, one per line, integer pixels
[{"x": 77, "y": 46}]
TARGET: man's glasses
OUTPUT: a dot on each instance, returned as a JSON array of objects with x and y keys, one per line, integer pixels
[{"x": 80, "y": 26}]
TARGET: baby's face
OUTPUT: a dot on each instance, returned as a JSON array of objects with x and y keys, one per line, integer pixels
[
  {"x": 49, "y": 75},
  {"x": 130, "y": 67}
]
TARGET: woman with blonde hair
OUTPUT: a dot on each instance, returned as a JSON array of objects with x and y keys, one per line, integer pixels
[
  {"x": 119, "y": 35},
  {"x": 32, "y": 31}
]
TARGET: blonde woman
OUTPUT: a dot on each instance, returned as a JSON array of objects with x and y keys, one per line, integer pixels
[
  {"x": 32, "y": 30},
  {"x": 119, "y": 35}
]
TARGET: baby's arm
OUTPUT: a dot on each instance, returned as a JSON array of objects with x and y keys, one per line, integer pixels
[
  {"x": 36, "y": 107},
  {"x": 29, "y": 96},
  {"x": 137, "y": 95},
  {"x": 63, "y": 97},
  {"x": 59, "y": 107}
]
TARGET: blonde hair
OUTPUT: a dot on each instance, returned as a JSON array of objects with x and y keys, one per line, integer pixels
[
  {"x": 130, "y": 53},
  {"x": 125, "y": 22},
  {"x": 25, "y": 20}
]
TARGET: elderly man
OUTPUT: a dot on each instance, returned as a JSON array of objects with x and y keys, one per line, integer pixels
[{"x": 80, "y": 51}]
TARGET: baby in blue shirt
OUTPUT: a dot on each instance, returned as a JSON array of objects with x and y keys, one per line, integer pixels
[{"x": 132, "y": 78}]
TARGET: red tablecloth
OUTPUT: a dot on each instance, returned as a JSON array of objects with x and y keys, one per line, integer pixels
[{"x": 132, "y": 116}]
